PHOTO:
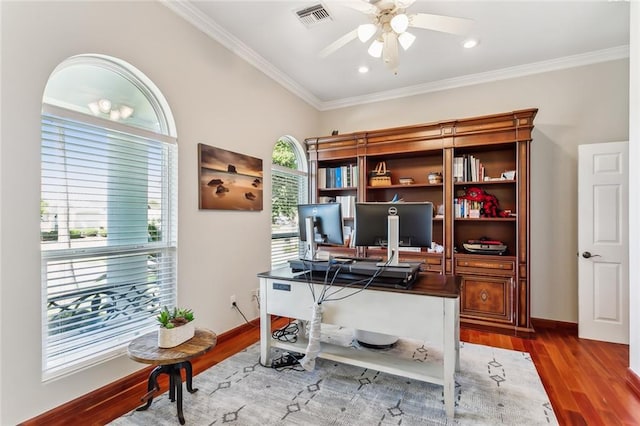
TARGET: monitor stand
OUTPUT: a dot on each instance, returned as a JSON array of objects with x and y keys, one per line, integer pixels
[
  {"x": 378, "y": 340},
  {"x": 393, "y": 243},
  {"x": 311, "y": 247}
]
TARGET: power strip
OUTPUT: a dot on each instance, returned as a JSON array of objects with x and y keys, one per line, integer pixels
[{"x": 287, "y": 360}]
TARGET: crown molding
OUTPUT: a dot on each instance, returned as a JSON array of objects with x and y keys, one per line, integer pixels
[
  {"x": 187, "y": 11},
  {"x": 573, "y": 61}
]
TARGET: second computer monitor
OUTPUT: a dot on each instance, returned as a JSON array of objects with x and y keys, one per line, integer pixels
[
  {"x": 320, "y": 224},
  {"x": 415, "y": 221}
]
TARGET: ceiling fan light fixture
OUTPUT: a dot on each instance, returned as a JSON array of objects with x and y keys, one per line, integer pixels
[
  {"x": 400, "y": 23},
  {"x": 406, "y": 39},
  {"x": 366, "y": 31},
  {"x": 125, "y": 111},
  {"x": 95, "y": 109},
  {"x": 104, "y": 105},
  {"x": 375, "y": 49}
]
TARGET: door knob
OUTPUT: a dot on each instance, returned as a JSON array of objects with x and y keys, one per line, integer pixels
[{"x": 587, "y": 255}]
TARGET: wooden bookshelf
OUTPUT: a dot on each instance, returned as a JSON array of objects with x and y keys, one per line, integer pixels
[{"x": 495, "y": 288}]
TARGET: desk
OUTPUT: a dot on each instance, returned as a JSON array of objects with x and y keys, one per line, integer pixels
[
  {"x": 429, "y": 312},
  {"x": 170, "y": 361}
]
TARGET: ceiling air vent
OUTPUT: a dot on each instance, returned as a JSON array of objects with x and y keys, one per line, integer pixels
[{"x": 313, "y": 15}]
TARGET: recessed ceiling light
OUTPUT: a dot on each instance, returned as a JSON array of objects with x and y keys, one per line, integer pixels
[
  {"x": 470, "y": 43},
  {"x": 363, "y": 69}
]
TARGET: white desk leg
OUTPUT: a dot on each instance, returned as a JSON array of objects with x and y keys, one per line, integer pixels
[
  {"x": 451, "y": 346},
  {"x": 457, "y": 314},
  {"x": 265, "y": 325}
]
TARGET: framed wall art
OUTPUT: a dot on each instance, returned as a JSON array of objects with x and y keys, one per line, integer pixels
[{"x": 228, "y": 180}]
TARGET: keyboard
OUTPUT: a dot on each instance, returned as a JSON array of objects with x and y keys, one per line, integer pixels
[
  {"x": 390, "y": 276},
  {"x": 357, "y": 259}
]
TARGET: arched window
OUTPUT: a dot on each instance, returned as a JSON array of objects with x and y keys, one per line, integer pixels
[
  {"x": 289, "y": 185},
  {"x": 107, "y": 212}
]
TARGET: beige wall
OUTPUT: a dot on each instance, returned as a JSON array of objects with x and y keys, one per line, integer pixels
[
  {"x": 216, "y": 99},
  {"x": 576, "y": 106}
]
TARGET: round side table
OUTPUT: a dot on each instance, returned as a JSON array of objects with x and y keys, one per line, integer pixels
[{"x": 170, "y": 361}]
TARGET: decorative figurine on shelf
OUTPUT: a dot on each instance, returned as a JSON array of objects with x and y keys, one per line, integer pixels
[
  {"x": 434, "y": 177},
  {"x": 490, "y": 204}
]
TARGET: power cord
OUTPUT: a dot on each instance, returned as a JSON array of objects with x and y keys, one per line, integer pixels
[
  {"x": 288, "y": 333},
  {"x": 288, "y": 360},
  {"x": 235, "y": 305}
]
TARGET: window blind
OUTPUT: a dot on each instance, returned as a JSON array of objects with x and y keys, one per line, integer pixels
[
  {"x": 289, "y": 188},
  {"x": 108, "y": 236}
]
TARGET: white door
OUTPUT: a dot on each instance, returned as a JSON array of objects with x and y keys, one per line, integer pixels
[{"x": 603, "y": 237}]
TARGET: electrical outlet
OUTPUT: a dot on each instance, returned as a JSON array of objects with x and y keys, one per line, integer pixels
[
  {"x": 256, "y": 293},
  {"x": 232, "y": 301}
]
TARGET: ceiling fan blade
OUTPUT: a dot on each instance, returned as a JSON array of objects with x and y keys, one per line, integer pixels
[
  {"x": 445, "y": 24},
  {"x": 350, "y": 36},
  {"x": 403, "y": 4},
  {"x": 361, "y": 6}
]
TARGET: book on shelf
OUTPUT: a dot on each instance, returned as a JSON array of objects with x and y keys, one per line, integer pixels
[
  {"x": 466, "y": 208},
  {"x": 347, "y": 203},
  {"x": 338, "y": 177},
  {"x": 322, "y": 178},
  {"x": 347, "y": 234},
  {"x": 467, "y": 168}
]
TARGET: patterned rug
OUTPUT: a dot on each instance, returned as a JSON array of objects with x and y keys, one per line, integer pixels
[{"x": 494, "y": 386}]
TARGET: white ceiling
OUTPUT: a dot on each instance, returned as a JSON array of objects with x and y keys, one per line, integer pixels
[{"x": 516, "y": 38}]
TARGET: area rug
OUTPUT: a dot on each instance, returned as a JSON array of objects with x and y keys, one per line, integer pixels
[{"x": 495, "y": 386}]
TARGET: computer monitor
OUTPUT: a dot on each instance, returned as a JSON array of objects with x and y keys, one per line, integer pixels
[
  {"x": 394, "y": 225},
  {"x": 320, "y": 223}
]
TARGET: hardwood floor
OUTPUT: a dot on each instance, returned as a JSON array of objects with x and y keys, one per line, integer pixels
[{"x": 584, "y": 379}]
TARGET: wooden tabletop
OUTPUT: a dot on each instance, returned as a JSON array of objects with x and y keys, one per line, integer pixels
[{"x": 145, "y": 348}]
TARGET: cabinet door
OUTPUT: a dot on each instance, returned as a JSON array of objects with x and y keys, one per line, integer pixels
[{"x": 487, "y": 297}]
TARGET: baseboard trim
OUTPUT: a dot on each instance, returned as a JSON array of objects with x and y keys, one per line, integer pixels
[
  {"x": 633, "y": 380},
  {"x": 86, "y": 406},
  {"x": 541, "y": 323}
]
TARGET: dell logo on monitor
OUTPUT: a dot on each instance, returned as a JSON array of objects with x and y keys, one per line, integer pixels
[{"x": 392, "y": 211}]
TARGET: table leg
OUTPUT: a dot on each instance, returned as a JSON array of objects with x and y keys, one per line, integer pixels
[
  {"x": 172, "y": 383},
  {"x": 189, "y": 376},
  {"x": 152, "y": 386},
  {"x": 265, "y": 326},
  {"x": 450, "y": 355},
  {"x": 177, "y": 383},
  {"x": 457, "y": 336}
]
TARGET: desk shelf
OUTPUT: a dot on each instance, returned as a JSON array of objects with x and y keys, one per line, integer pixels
[
  {"x": 433, "y": 305},
  {"x": 373, "y": 359}
]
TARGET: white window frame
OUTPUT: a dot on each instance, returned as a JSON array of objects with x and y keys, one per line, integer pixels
[
  {"x": 122, "y": 307},
  {"x": 286, "y": 245}
]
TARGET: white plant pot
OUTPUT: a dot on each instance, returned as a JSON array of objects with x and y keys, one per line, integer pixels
[{"x": 170, "y": 337}]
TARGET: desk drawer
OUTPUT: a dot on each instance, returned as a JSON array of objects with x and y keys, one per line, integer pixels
[{"x": 489, "y": 265}]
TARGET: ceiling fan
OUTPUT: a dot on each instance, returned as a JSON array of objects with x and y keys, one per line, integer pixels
[{"x": 388, "y": 28}]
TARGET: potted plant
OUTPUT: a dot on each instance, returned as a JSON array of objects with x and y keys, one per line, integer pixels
[{"x": 176, "y": 327}]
